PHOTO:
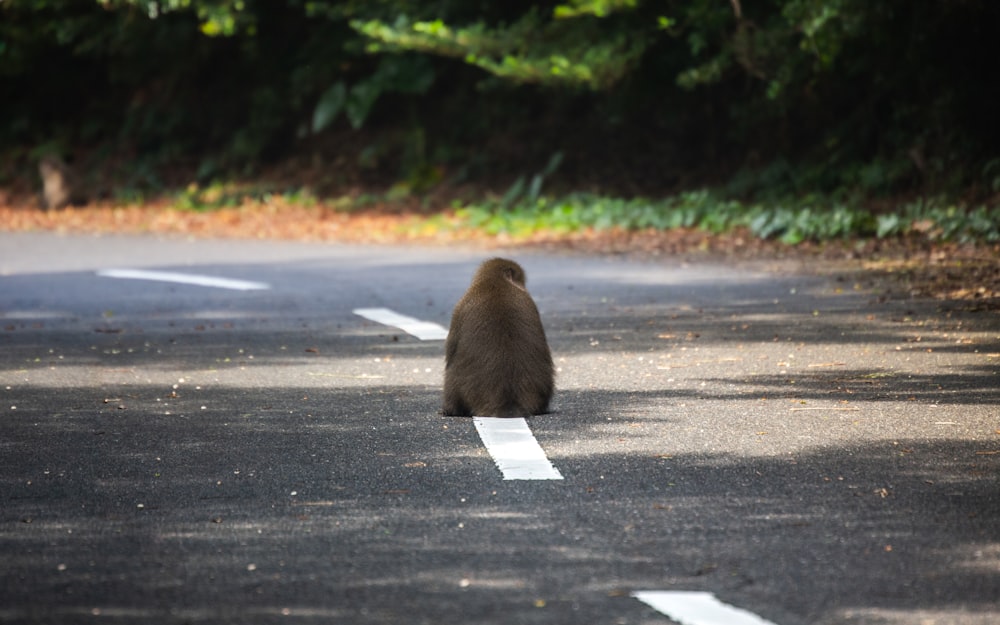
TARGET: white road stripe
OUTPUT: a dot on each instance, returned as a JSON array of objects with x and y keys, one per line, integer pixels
[
  {"x": 514, "y": 449},
  {"x": 184, "y": 278},
  {"x": 423, "y": 330},
  {"x": 697, "y": 608}
]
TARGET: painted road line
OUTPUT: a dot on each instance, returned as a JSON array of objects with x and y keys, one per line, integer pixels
[
  {"x": 697, "y": 608},
  {"x": 514, "y": 449},
  {"x": 184, "y": 278},
  {"x": 423, "y": 330}
]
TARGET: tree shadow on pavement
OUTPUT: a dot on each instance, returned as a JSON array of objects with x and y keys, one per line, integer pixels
[{"x": 368, "y": 507}]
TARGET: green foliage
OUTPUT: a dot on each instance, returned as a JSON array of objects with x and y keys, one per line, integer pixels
[
  {"x": 840, "y": 99},
  {"x": 211, "y": 197},
  {"x": 521, "y": 190},
  {"x": 395, "y": 74},
  {"x": 216, "y": 195},
  {"x": 791, "y": 222},
  {"x": 529, "y": 49},
  {"x": 216, "y": 18},
  {"x": 939, "y": 220},
  {"x": 578, "y": 211},
  {"x": 598, "y": 8}
]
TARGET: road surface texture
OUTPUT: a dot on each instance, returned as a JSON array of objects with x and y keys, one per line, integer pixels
[{"x": 805, "y": 450}]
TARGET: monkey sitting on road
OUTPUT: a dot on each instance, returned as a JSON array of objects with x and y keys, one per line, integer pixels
[{"x": 497, "y": 361}]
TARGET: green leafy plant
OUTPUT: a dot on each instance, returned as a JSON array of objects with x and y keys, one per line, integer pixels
[
  {"x": 528, "y": 49},
  {"x": 791, "y": 222},
  {"x": 407, "y": 74}
]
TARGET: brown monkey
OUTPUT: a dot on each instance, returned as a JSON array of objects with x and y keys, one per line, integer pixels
[
  {"x": 59, "y": 184},
  {"x": 497, "y": 361}
]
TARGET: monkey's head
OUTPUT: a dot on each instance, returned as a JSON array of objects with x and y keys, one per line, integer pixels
[
  {"x": 503, "y": 268},
  {"x": 49, "y": 165}
]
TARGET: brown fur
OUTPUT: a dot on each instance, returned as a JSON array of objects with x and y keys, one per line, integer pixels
[
  {"x": 497, "y": 361},
  {"x": 59, "y": 184}
]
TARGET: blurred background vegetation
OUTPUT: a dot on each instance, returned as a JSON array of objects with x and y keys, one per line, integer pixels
[{"x": 795, "y": 118}]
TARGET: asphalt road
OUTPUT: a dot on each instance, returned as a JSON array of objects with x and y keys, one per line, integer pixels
[{"x": 169, "y": 453}]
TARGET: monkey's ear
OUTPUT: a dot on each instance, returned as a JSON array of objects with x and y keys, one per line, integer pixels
[{"x": 517, "y": 276}]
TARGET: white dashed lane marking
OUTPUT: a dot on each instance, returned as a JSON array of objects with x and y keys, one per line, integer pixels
[
  {"x": 509, "y": 441},
  {"x": 423, "y": 330},
  {"x": 184, "y": 278},
  {"x": 514, "y": 449},
  {"x": 697, "y": 608}
]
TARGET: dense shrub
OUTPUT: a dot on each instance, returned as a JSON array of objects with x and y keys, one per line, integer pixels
[{"x": 849, "y": 98}]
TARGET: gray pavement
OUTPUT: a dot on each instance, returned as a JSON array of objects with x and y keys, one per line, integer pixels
[{"x": 802, "y": 448}]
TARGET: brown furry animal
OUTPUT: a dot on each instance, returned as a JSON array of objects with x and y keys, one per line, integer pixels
[
  {"x": 497, "y": 361},
  {"x": 59, "y": 184}
]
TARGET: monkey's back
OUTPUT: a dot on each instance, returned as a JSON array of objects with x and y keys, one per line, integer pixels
[{"x": 497, "y": 360}]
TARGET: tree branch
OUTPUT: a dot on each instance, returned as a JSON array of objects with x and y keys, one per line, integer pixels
[{"x": 737, "y": 9}]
